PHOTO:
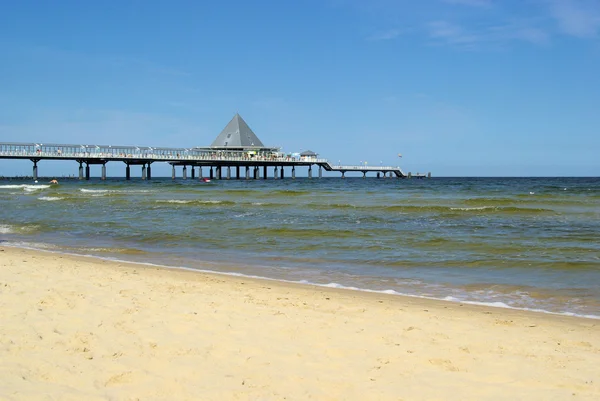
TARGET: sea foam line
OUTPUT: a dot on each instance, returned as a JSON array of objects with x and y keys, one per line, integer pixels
[
  {"x": 26, "y": 187},
  {"x": 50, "y": 198},
  {"x": 495, "y": 304}
]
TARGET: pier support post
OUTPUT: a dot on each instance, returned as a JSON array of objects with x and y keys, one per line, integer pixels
[
  {"x": 185, "y": 172},
  {"x": 255, "y": 172},
  {"x": 409, "y": 174},
  {"x": 149, "y": 172},
  {"x": 144, "y": 171},
  {"x": 35, "y": 170},
  {"x": 218, "y": 172},
  {"x": 212, "y": 174},
  {"x": 237, "y": 172},
  {"x": 293, "y": 172},
  {"x": 228, "y": 172},
  {"x": 275, "y": 173},
  {"x": 364, "y": 174},
  {"x": 81, "y": 170},
  {"x": 247, "y": 172},
  {"x": 87, "y": 171},
  {"x": 173, "y": 172},
  {"x": 282, "y": 174},
  {"x": 103, "y": 171},
  {"x": 128, "y": 172},
  {"x": 200, "y": 172},
  {"x": 309, "y": 171},
  {"x": 265, "y": 174},
  {"x": 343, "y": 174},
  {"x": 193, "y": 172},
  {"x": 378, "y": 175},
  {"x": 320, "y": 172}
]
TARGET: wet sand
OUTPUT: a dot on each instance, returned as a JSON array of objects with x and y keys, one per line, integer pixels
[{"x": 76, "y": 328}]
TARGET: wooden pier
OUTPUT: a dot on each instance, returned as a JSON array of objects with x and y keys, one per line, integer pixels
[{"x": 235, "y": 153}]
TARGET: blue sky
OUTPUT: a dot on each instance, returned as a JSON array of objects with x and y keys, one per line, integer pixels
[{"x": 458, "y": 87}]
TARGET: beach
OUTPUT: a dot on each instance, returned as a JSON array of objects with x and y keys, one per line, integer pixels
[{"x": 86, "y": 328}]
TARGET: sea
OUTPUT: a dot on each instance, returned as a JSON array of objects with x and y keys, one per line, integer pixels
[{"x": 523, "y": 243}]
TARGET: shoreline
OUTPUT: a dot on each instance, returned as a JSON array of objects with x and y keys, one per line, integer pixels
[
  {"x": 77, "y": 327},
  {"x": 499, "y": 305}
]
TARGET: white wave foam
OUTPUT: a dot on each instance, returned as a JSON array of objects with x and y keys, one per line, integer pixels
[
  {"x": 11, "y": 229},
  {"x": 115, "y": 191},
  {"x": 26, "y": 187},
  {"x": 94, "y": 191},
  {"x": 174, "y": 201},
  {"x": 50, "y": 198},
  {"x": 465, "y": 209}
]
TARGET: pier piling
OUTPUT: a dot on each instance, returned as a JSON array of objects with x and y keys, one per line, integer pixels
[
  {"x": 87, "y": 171},
  {"x": 193, "y": 172},
  {"x": 103, "y": 172},
  {"x": 185, "y": 172},
  {"x": 81, "y": 170},
  {"x": 172, "y": 171},
  {"x": 35, "y": 170},
  {"x": 309, "y": 171},
  {"x": 149, "y": 172},
  {"x": 127, "y": 172}
]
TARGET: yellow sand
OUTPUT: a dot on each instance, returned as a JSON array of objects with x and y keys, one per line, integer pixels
[{"x": 85, "y": 329}]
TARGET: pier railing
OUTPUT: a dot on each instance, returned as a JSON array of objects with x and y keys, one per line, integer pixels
[{"x": 132, "y": 155}]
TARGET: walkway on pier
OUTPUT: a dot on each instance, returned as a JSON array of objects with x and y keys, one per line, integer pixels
[
  {"x": 195, "y": 157},
  {"x": 237, "y": 146}
]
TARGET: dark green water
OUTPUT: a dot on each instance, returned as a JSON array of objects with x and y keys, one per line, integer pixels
[{"x": 519, "y": 242}]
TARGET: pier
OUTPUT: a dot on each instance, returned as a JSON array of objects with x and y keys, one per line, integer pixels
[{"x": 236, "y": 153}]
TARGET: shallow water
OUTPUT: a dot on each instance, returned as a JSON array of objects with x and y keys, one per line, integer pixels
[{"x": 519, "y": 242}]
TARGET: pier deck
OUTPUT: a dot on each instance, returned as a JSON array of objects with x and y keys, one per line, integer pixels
[{"x": 192, "y": 157}]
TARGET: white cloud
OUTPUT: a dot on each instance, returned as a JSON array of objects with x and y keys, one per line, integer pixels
[
  {"x": 488, "y": 37},
  {"x": 580, "y": 18},
  {"x": 386, "y": 35}
]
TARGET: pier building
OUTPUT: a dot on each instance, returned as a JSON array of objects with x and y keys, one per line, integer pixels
[{"x": 236, "y": 153}]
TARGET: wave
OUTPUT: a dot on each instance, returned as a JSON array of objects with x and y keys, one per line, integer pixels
[
  {"x": 6, "y": 229},
  {"x": 115, "y": 191},
  {"x": 50, "y": 198},
  {"x": 26, "y": 187},
  {"x": 18, "y": 229},
  {"x": 195, "y": 202}
]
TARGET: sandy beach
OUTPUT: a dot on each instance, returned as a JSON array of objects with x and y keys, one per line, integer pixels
[{"x": 77, "y": 328}]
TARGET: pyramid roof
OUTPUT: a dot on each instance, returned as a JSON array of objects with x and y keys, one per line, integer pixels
[{"x": 237, "y": 134}]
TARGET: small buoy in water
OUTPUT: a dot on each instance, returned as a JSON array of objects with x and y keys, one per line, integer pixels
[{"x": 532, "y": 193}]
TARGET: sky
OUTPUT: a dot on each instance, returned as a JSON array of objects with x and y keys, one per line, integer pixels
[{"x": 457, "y": 87}]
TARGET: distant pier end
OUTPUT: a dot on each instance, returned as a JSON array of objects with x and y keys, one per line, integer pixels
[{"x": 235, "y": 153}]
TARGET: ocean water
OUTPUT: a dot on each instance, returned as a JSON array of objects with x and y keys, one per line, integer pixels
[{"x": 530, "y": 243}]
